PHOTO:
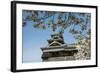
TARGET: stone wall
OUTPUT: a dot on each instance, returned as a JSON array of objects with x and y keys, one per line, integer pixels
[{"x": 60, "y": 58}]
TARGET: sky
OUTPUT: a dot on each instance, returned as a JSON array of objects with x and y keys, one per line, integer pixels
[{"x": 33, "y": 39}]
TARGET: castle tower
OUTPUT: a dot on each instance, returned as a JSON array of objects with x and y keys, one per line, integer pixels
[{"x": 57, "y": 50}]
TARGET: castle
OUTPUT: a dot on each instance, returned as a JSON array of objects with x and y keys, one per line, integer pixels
[{"x": 58, "y": 50}]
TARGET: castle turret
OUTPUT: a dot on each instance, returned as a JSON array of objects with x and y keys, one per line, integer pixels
[{"x": 58, "y": 50}]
